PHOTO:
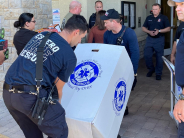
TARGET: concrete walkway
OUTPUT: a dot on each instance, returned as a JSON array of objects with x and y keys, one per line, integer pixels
[{"x": 148, "y": 104}]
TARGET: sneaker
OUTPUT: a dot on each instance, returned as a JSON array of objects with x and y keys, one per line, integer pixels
[
  {"x": 158, "y": 77},
  {"x": 149, "y": 74}
]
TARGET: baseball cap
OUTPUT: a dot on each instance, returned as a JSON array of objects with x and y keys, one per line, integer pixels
[
  {"x": 110, "y": 14},
  {"x": 172, "y": 2}
]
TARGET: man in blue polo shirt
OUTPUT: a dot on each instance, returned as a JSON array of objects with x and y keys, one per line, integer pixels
[
  {"x": 155, "y": 25},
  {"x": 114, "y": 31},
  {"x": 129, "y": 40},
  {"x": 179, "y": 67},
  {"x": 59, "y": 61}
]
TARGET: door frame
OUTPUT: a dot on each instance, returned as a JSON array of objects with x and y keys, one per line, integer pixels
[{"x": 168, "y": 50}]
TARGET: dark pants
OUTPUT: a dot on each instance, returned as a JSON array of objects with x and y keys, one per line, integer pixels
[
  {"x": 154, "y": 45},
  {"x": 181, "y": 130},
  {"x": 20, "y": 106}
]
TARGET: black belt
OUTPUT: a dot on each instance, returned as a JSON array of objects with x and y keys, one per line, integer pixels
[
  {"x": 30, "y": 89},
  {"x": 156, "y": 36}
]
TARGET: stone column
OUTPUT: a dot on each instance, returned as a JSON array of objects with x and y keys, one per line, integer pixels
[{"x": 10, "y": 11}]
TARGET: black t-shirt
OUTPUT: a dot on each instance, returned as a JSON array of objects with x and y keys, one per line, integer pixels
[
  {"x": 92, "y": 20},
  {"x": 159, "y": 22},
  {"x": 59, "y": 60},
  {"x": 179, "y": 31},
  {"x": 21, "y": 38}
]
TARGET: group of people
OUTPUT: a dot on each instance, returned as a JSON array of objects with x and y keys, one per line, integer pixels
[{"x": 21, "y": 89}]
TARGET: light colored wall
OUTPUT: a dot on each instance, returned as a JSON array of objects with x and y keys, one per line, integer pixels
[
  {"x": 149, "y": 5},
  {"x": 63, "y": 5}
]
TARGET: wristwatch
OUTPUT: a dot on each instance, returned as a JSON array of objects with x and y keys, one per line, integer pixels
[
  {"x": 181, "y": 97},
  {"x": 159, "y": 31}
]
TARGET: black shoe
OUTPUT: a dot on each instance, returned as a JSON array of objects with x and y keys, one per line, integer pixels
[
  {"x": 158, "y": 77},
  {"x": 126, "y": 111},
  {"x": 118, "y": 136},
  {"x": 149, "y": 74}
]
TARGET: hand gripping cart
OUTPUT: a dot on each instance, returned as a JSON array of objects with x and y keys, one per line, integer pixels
[{"x": 178, "y": 90}]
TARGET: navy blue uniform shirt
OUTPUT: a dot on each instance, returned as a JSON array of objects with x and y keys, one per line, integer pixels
[
  {"x": 179, "y": 30},
  {"x": 59, "y": 60},
  {"x": 129, "y": 41},
  {"x": 159, "y": 22},
  {"x": 179, "y": 62},
  {"x": 92, "y": 20}
]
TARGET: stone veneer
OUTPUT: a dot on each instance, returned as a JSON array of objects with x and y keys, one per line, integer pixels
[{"x": 10, "y": 10}]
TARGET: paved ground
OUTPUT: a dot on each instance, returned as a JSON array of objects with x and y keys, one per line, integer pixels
[{"x": 148, "y": 104}]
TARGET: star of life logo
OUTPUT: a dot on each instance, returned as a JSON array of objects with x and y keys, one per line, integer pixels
[
  {"x": 85, "y": 73},
  {"x": 119, "y": 96},
  {"x": 106, "y": 14}
]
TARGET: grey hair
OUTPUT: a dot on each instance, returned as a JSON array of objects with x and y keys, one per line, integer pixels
[{"x": 74, "y": 3}]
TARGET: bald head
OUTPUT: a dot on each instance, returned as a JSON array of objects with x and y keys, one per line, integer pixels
[{"x": 75, "y": 7}]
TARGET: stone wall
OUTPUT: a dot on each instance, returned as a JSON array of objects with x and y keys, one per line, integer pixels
[{"x": 10, "y": 10}]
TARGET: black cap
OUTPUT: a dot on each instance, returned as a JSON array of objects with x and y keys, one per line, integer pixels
[{"x": 110, "y": 14}]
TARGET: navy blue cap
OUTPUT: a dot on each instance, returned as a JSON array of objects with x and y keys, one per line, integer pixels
[
  {"x": 110, "y": 14},
  {"x": 172, "y": 2}
]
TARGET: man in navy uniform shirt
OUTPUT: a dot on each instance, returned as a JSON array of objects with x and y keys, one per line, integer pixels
[
  {"x": 129, "y": 40},
  {"x": 59, "y": 62},
  {"x": 179, "y": 30},
  {"x": 155, "y": 25},
  {"x": 179, "y": 67},
  {"x": 92, "y": 19}
]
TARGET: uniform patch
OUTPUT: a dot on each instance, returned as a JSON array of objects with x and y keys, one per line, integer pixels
[
  {"x": 149, "y": 20},
  {"x": 106, "y": 14},
  {"x": 159, "y": 20}
]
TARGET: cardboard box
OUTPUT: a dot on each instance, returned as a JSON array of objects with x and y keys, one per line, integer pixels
[
  {"x": 97, "y": 92},
  {"x": 46, "y": 29},
  {"x": 3, "y": 44},
  {"x": 55, "y": 26}
]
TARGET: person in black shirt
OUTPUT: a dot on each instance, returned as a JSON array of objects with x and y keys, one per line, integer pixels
[
  {"x": 98, "y": 7},
  {"x": 26, "y": 23},
  {"x": 155, "y": 26},
  {"x": 177, "y": 36}
]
